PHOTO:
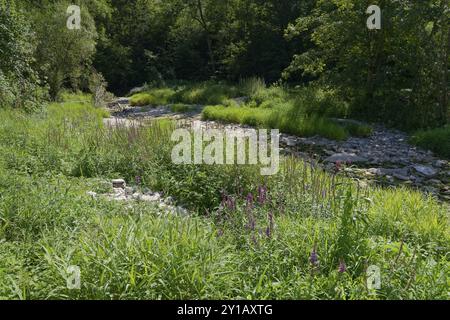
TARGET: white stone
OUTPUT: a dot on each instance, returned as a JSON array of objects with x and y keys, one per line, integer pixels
[
  {"x": 119, "y": 191},
  {"x": 119, "y": 183},
  {"x": 440, "y": 163},
  {"x": 92, "y": 194},
  {"x": 148, "y": 198}
]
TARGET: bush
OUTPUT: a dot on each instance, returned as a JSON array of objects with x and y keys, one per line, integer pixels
[
  {"x": 18, "y": 81},
  {"x": 97, "y": 86},
  {"x": 321, "y": 102}
]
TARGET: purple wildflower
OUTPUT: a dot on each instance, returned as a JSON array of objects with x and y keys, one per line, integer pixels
[
  {"x": 138, "y": 180},
  {"x": 250, "y": 201},
  {"x": 231, "y": 203},
  {"x": 269, "y": 229},
  {"x": 342, "y": 267},
  {"x": 314, "y": 259},
  {"x": 271, "y": 224},
  {"x": 224, "y": 199},
  {"x": 262, "y": 195},
  {"x": 255, "y": 241},
  {"x": 268, "y": 232},
  {"x": 251, "y": 222},
  {"x": 338, "y": 166}
]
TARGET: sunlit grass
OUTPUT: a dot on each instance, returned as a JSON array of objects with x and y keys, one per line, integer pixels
[
  {"x": 229, "y": 247},
  {"x": 437, "y": 140}
]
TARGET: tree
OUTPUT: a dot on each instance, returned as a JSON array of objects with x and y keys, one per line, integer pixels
[
  {"x": 64, "y": 55},
  {"x": 18, "y": 80},
  {"x": 387, "y": 75}
]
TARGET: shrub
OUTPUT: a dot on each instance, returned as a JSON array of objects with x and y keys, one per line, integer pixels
[
  {"x": 19, "y": 84},
  {"x": 97, "y": 86},
  {"x": 321, "y": 102}
]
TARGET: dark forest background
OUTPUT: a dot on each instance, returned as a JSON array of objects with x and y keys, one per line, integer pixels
[{"x": 399, "y": 74}]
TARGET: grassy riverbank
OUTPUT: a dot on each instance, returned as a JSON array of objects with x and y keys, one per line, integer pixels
[{"x": 302, "y": 234}]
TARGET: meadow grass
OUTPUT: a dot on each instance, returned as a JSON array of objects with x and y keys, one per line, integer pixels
[
  {"x": 277, "y": 119},
  {"x": 247, "y": 237},
  {"x": 181, "y": 108},
  {"x": 303, "y": 111},
  {"x": 194, "y": 94},
  {"x": 155, "y": 97},
  {"x": 437, "y": 140}
]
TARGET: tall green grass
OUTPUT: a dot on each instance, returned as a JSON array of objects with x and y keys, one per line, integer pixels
[
  {"x": 199, "y": 94},
  {"x": 283, "y": 120},
  {"x": 437, "y": 140},
  {"x": 303, "y": 111},
  {"x": 155, "y": 97},
  {"x": 247, "y": 237}
]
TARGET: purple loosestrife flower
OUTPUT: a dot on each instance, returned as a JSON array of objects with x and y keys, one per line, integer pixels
[
  {"x": 250, "y": 201},
  {"x": 271, "y": 225},
  {"x": 231, "y": 204},
  {"x": 313, "y": 258},
  {"x": 262, "y": 195},
  {"x": 342, "y": 267},
  {"x": 138, "y": 180},
  {"x": 251, "y": 222},
  {"x": 250, "y": 198},
  {"x": 338, "y": 166},
  {"x": 268, "y": 232},
  {"x": 255, "y": 241},
  {"x": 224, "y": 200}
]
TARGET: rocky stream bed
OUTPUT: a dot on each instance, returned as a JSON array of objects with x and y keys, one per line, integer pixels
[{"x": 385, "y": 157}]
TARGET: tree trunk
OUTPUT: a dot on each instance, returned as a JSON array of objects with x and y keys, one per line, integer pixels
[{"x": 208, "y": 35}]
